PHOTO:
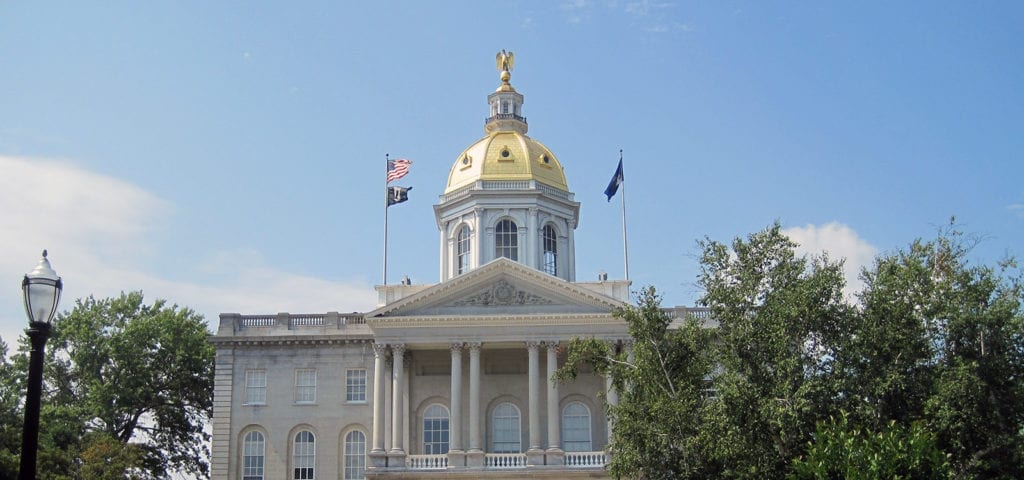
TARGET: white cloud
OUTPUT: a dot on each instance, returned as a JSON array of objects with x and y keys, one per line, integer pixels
[
  {"x": 101, "y": 233},
  {"x": 1016, "y": 209},
  {"x": 840, "y": 242}
]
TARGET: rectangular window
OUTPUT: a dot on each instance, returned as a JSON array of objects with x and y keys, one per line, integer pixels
[
  {"x": 305, "y": 386},
  {"x": 255, "y": 387},
  {"x": 355, "y": 385}
]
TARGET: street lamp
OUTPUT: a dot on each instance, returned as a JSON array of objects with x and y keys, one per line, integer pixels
[{"x": 42, "y": 289}]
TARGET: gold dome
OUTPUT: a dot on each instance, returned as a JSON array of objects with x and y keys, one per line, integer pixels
[{"x": 506, "y": 155}]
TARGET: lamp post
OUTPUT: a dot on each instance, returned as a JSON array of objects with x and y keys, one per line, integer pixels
[{"x": 42, "y": 289}]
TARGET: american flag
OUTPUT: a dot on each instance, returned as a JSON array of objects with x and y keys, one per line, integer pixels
[{"x": 397, "y": 168}]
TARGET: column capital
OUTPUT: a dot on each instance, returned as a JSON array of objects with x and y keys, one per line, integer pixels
[
  {"x": 397, "y": 348},
  {"x": 379, "y": 349},
  {"x": 533, "y": 344},
  {"x": 456, "y": 347},
  {"x": 473, "y": 347},
  {"x": 551, "y": 343}
]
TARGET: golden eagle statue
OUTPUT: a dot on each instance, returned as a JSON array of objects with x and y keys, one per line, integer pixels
[{"x": 505, "y": 61}]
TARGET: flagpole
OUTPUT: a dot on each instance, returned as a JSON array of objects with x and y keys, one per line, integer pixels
[
  {"x": 625, "y": 248},
  {"x": 386, "y": 193}
]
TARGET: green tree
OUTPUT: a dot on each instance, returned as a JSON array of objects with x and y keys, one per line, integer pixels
[
  {"x": 941, "y": 341},
  {"x": 661, "y": 388},
  {"x": 779, "y": 317},
  {"x": 120, "y": 370},
  {"x": 11, "y": 393},
  {"x": 841, "y": 450}
]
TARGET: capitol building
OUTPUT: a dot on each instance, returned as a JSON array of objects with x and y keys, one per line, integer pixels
[{"x": 444, "y": 380}]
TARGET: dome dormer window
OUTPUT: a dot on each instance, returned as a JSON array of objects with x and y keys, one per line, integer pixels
[{"x": 506, "y": 240}]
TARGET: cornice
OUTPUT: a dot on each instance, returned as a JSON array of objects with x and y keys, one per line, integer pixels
[
  {"x": 494, "y": 269},
  {"x": 289, "y": 341},
  {"x": 532, "y": 320}
]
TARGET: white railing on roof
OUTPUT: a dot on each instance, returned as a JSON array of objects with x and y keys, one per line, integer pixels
[
  {"x": 354, "y": 319},
  {"x": 585, "y": 459},
  {"x": 427, "y": 462},
  {"x": 259, "y": 320},
  {"x": 506, "y": 185},
  {"x": 554, "y": 192},
  {"x": 306, "y": 320},
  {"x": 504, "y": 460}
]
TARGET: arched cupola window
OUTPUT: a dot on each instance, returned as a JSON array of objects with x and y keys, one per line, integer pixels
[
  {"x": 463, "y": 250},
  {"x": 549, "y": 262},
  {"x": 506, "y": 240}
]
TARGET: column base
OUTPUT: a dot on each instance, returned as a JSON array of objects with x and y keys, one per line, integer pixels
[
  {"x": 555, "y": 456},
  {"x": 396, "y": 458},
  {"x": 475, "y": 458},
  {"x": 378, "y": 458},
  {"x": 535, "y": 456},
  {"x": 456, "y": 458}
]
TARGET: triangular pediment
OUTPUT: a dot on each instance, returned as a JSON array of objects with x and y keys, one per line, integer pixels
[{"x": 501, "y": 287}]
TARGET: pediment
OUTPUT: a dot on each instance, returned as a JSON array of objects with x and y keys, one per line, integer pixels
[{"x": 501, "y": 287}]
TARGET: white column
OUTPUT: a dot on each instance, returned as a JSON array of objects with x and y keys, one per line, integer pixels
[
  {"x": 613, "y": 398},
  {"x": 571, "y": 251},
  {"x": 378, "y": 397},
  {"x": 455, "y": 419},
  {"x": 474, "y": 398},
  {"x": 532, "y": 240},
  {"x": 397, "y": 415},
  {"x": 534, "y": 403},
  {"x": 554, "y": 439}
]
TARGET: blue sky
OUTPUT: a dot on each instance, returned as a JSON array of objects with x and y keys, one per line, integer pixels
[{"x": 228, "y": 155}]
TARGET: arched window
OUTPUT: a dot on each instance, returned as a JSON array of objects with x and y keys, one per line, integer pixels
[
  {"x": 505, "y": 435},
  {"x": 252, "y": 456},
  {"x": 462, "y": 251},
  {"x": 304, "y": 456},
  {"x": 576, "y": 428},
  {"x": 550, "y": 261},
  {"x": 355, "y": 456},
  {"x": 506, "y": 240},
  {"x": 435, "y": 430}
]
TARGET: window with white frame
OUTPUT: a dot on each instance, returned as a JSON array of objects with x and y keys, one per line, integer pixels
[
  {"x": 576, "y": 428},
  {"x": 355, "y": 385},
  {"x": 506, "y": 240},
  {"x": 550, "y": 261},
  {"x": 505, "y": 437},
  {"x": 305, "y": 385},
  {"x": 462, "y": 247},
  {"x": 252, "y": 456},
  {"x": 255, "y": 387},
  {"x": 304, "y": 456},
  {"x": 435, "y": 430},
  {"x": 354, "y": 456}
]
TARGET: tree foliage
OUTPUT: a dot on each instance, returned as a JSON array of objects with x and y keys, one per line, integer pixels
[
  {"x": 127, "y": 391},
  {"x": 927, "y": 361}
]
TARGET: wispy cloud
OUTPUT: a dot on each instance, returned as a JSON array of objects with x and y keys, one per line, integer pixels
[
  {"x": 840, "y": 242},
  {"x": 1016, "y": 209},
  {"x": 101, "y": 232},
  {"x": 577, "y": 11}
]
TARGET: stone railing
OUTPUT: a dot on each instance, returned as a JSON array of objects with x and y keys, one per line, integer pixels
[
  {"x": 292, "y": 321},
  {"x": 585, "y": 459},
  {"x": 504, "y": 460},
  {"x": 505, "y": 116},
  {"x": 504, "y": 185},
  {"x": 427, "y": 462}
]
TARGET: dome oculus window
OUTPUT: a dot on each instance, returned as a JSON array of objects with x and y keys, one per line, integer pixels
[{"x": 506, "y": 154}]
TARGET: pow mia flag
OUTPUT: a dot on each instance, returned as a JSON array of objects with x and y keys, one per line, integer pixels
[{"x": 397, "y": 194}]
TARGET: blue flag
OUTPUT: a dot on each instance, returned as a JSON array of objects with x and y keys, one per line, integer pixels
[{"x": 613, "y": 186}]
